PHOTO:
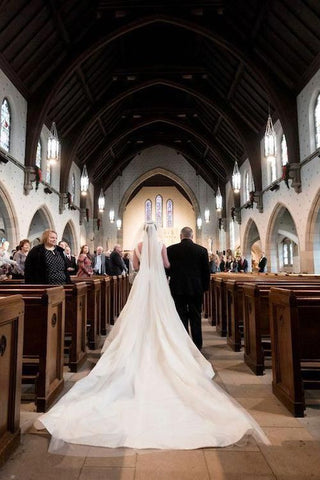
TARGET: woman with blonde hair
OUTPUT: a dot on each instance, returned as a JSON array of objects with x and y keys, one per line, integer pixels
[{"x": 46, "y": 263}]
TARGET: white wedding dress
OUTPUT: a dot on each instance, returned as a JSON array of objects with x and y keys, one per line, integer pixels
[{"x": 151, "y": 388}]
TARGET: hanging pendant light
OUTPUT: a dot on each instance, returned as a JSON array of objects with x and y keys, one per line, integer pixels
[
  {"x": 270, "y": 140},
  {"x": 53, "y": 145},
  {"x": 207, "y": 215},
  {"x": 84, "y": 181},
  {"x": 119, "y": 223},
  {"x": 236, "y": 178},
  {"x": 101, "y": 201},
  {"x": 218, "y": 200},
  {"x": 111, "y": 216},
  {"x": 199, "y": 223}
]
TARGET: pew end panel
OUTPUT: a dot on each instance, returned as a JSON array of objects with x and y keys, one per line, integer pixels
[
  {"x": 11, "y": 344},
  {"x": 295, "y": 328}
]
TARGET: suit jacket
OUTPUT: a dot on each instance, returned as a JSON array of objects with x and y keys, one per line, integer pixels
[
  {"x": 72, "y": 263},
  {"x": 243, "y": 265},
  {"x": 262, "y": 264},
  {"x": 103, "y": 265},
  {"x": 116, "y": 263},
  {"x": 189, "y": 268}
]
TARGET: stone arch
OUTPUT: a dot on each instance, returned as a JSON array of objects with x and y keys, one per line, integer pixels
[
  {"x": 69, "y": 235},
  {"x": 8, "y": 218},
  {"x": 167, "y": 173},
  {"x": 281, "y": 225},
  {"x": 312, "y": 240},
  {"x": 41, "y": 220},
  {"x": 252, "y": 247}
]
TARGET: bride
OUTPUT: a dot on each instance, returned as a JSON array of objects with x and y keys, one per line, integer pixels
[{"x": 151, "y": 388}]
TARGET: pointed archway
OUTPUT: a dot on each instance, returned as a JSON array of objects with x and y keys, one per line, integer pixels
[
  {"x": 282, "y": 243},
  {"x": 252, "y": 246},
  {"x": 41, "y": 220},
  {"x": 8, "y": 219}
]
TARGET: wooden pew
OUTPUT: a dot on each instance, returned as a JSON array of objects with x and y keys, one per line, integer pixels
[
  {"x": 105, "y": 303},
  {"x": 75, "y": 319},
  {"x": 43, "y": 342},
  {"x": 11, "y": 344},
  {"x": 256, "y": 318},
  {"x": 234, "y": 301},
  {"x": 295, "y": 333},
  {"x": 93, "y": 309}
]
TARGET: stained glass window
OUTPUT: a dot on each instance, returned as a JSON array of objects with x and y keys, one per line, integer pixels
[
  {"x": 169, "y": 213},
  {"x": 48, "y": 172},
  {"x": 247, "y": 186},
  {"x": 73, "y": 187},
  {"x": 284, "y": 151},
  {"x": 39, "y": 155},
  {"x": 317, "y": 121},
  {"x": 159, "y": 203},
  {"x": 148, "y": 210},
  {"x": 5, "y": 125}
]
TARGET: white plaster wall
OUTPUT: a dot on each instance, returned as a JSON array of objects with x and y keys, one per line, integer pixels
[{"x": 18, "y": 106}]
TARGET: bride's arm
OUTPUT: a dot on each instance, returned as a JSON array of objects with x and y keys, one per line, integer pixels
[
  {"x": 164, "y": 254},
  {"x": 135, "y": 260}
]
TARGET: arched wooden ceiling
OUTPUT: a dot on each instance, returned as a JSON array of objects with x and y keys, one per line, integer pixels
[{"x": 198, "y": 76}]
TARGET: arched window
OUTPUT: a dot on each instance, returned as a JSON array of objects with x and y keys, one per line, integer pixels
[
  {"x": 232, "y": 235},
  {"x": 5, "y": 125},
  {"x": 317, "y": 121},
  {"x": 159, "y": 204},
  {"x": 48, "y": 172},
  {"x": 169, "y": 213},
  {"x": 246, "y": 186},
  {"x": 39, "y": 155},
  {"x": 287, "y": 252},
  {"x": 148, "y": 210},
  {"x": 73, "y": 187},
  {"x": 284, "y": 151},
  {"x": 273, "y": 169}
]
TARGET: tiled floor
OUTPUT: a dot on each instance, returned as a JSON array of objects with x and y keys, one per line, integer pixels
[{"x": 294, "y": 453}]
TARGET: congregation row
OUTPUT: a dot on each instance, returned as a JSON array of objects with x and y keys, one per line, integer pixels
[{"x": 111, "y": 263}]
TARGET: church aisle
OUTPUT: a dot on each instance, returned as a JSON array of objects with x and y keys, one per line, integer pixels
[{"x": 293, "y": 455}]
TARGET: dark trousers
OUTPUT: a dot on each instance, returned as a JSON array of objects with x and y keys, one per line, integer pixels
[{"x": 189, "y": 310}]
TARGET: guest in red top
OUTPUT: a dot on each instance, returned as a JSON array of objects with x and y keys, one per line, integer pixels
[{"x": 84, "y": 263}]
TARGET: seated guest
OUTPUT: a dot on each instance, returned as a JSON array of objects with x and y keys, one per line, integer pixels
[
  {"x": 99, "y": 262},
  {"x": 84, "y": 263},
  {"x": 71, "y": 261},
  {"x": 117, "y": 265},
  {"x": 20, "y": 257},
  {"x": 46, "y": 262}
]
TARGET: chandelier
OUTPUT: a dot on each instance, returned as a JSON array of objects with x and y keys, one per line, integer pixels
[
  {"x": 101, "y": 201},
  {"x": 84, "y": 181},
  {"x": 218, "y": 200},
  {"x": 53, "y": 145},
  {"x": 207, "y": 215},
  {"x": 236, "y": 178},
  {"x": 270, "y": 140},
  {"x": 119, "y": 223}
]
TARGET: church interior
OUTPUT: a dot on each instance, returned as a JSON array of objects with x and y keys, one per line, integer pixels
[{"x": 198, "y": 113}]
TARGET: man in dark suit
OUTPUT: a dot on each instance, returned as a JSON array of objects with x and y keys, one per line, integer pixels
[
  {"x": 117, "y": 265},
  {"x": 71, "y": 261},
  {"x": 262, "y": 263},
  {"x": 189, "y": 279}
]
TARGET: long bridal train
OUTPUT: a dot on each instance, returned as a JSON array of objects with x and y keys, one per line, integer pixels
[{"x": 151, "y": 388}]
